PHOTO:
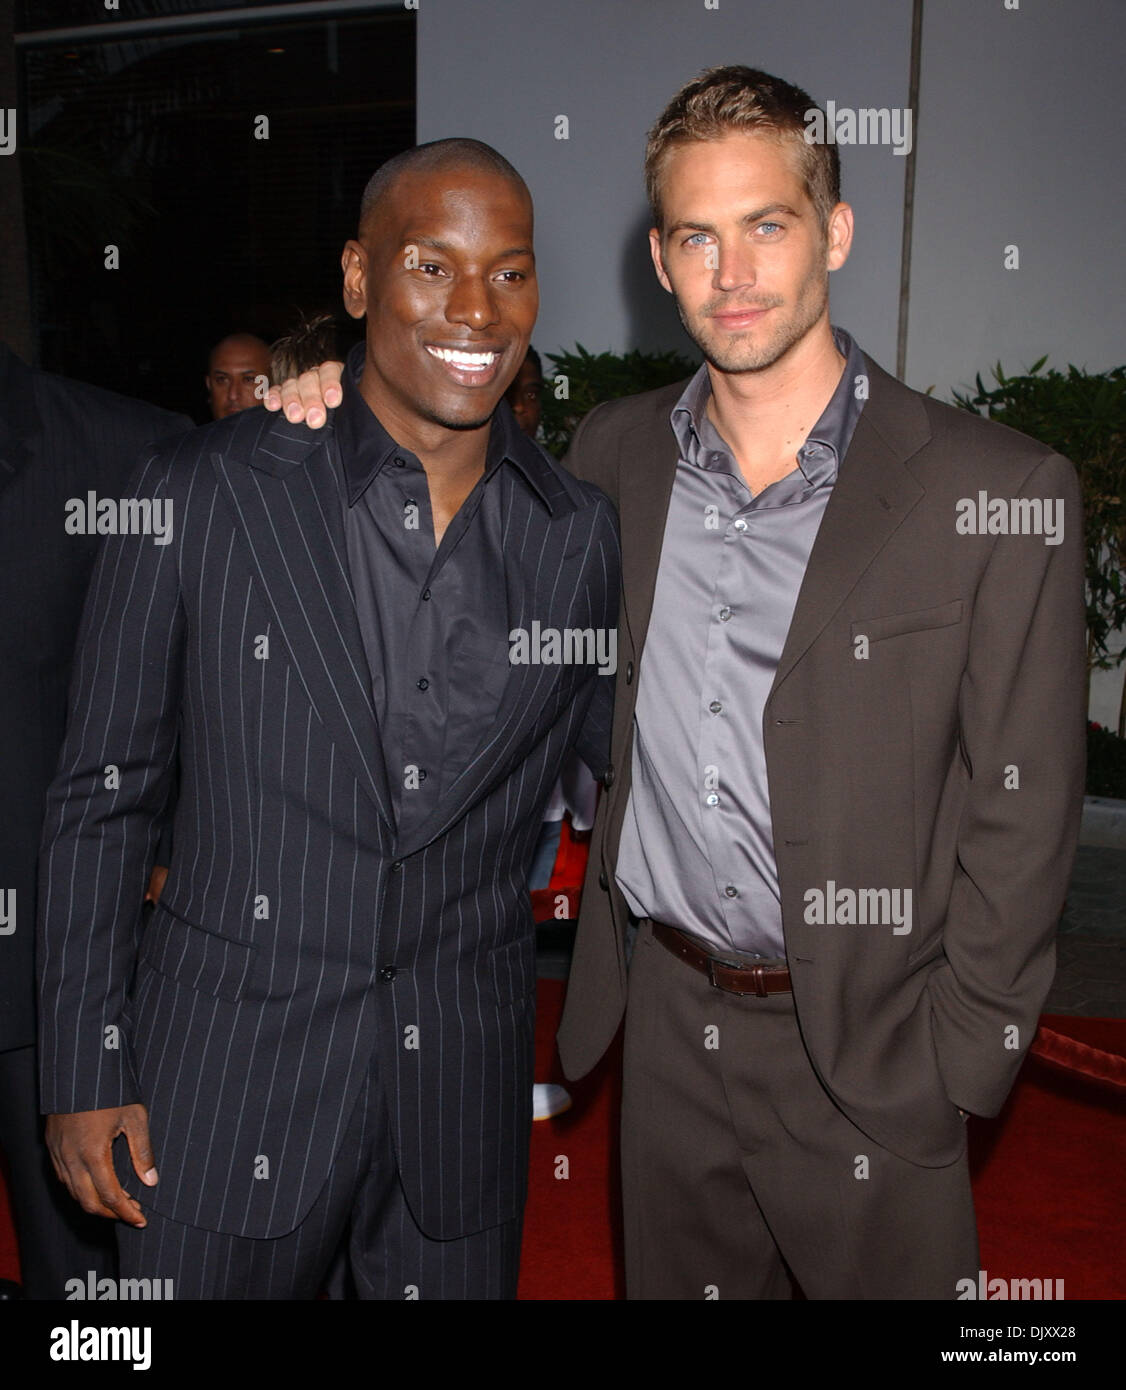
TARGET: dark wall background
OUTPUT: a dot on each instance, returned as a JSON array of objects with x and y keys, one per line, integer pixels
[{"x": 149, "y": 143}]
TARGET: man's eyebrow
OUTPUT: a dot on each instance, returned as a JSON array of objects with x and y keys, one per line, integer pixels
[
  {"x": 756, "y": 215},
  {"x": 434, "y": 244}
]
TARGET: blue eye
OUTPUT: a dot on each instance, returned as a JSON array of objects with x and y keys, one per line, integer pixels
[{"x": 696, "y": 239}]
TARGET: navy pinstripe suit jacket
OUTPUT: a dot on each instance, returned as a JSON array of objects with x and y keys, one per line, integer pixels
[{"x": 298, "y": 934}]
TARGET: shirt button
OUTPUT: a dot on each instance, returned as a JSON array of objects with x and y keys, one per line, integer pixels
[
  {"x": 724, "y": 614},
  {"x": 388, "y": 973},
  {"x": 422, "y": 774},
  {"x": 423, "y": 684},
  {"x": 740, "y": 525},
  {"x": 711, "y": 799},
  {"x": 426, "y": 593},
  {"x": 731, "y": 891},
  {"x": 715, "y": 707}
]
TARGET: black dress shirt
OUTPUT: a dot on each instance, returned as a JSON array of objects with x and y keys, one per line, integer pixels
[{"x": 433, "y": 619}]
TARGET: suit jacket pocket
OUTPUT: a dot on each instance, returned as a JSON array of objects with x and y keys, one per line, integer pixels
[
  {"x": 513, "y": 969},
  {"x": 898, "y": 624},
  {"x": 195, "y": 957}
]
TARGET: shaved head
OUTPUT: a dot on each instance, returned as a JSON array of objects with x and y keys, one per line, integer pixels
[
  {"x": 444, "y": 272},
  {"x": 237, "y": 367},
  {"x": 438, "y": 156},
  {"x": 246, "y": 344}
]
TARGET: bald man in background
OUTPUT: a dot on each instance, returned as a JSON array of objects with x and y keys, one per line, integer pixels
[{"x": 236, "y": 366}]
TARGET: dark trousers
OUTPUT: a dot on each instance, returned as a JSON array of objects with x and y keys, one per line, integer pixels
[
  {"x": 57, "y": 1239},
  {"x": 739, "y": 1170},
  {"x": 360, "y": 1207}
]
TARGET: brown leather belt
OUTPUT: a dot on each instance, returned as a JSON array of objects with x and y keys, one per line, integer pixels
[{"x": 736, "y": 979}]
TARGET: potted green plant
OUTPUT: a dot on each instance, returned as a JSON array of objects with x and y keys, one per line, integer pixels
[{"x": 1081, "y": 415}]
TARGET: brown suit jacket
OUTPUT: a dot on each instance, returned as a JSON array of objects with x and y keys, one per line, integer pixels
[{"x": 888, "y": 770}]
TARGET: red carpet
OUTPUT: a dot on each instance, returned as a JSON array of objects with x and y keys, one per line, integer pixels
[
  {"x": 572, "y": 1226},
  {"x": 9, "y": 1257},
  {"x": 1048, "y": 1177},
  {"x": 1050, "y": 1172}
]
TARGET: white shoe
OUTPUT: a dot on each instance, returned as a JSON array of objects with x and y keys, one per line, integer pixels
[{"x": 548, "y": 1101}]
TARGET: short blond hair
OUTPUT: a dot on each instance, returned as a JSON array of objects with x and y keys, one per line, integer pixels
[{"x": 735, "y": 98}]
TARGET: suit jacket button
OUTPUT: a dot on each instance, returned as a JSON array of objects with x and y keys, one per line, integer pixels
[
  {"x": 608, "y": 778},
  {"x": 629, "y": 673},
  {"x": 396, "y": 866},
  {"x": 603, "y": 881},
  {"x": 388, "y": 973}
]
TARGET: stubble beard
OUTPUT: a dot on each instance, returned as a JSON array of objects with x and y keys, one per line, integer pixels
[{"x": 739, "y": 352}]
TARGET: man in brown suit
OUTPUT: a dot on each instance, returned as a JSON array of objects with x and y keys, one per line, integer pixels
[{"x": 847, "y": 755}]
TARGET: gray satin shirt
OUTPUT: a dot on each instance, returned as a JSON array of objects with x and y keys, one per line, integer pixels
[{"x": 697, "y": 844}]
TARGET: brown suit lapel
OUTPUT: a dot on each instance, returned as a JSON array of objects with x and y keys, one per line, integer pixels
[
  {"x": 873, "y": 494},
  {"x": 649, "y": 455}
]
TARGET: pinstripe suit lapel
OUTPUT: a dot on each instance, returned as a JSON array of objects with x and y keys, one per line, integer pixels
[{"x": 287, "y": 510}]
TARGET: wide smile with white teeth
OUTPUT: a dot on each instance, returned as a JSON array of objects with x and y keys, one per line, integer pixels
[{"x": 465, "y": 361}]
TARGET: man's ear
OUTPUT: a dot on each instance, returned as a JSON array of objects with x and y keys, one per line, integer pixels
[
  {"x": 658, "y": 259},
  {"x": 353, "y": 261},
  {"x": 839, "y": 238}
]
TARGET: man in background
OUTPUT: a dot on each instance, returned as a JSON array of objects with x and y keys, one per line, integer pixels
[
  {"x": 524, "y": 396},
  {"x": 59, "y": 441},
  {"x": 238, "y": 371},
  {"x": 312, "y": 341}
]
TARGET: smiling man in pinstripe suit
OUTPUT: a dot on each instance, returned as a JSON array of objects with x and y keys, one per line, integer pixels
[{"x": 327, "y": 1024}]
